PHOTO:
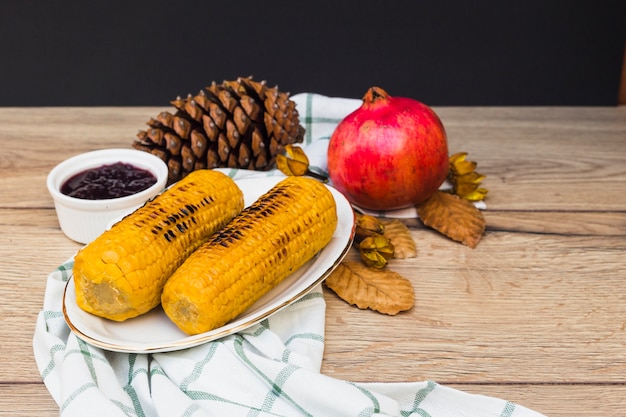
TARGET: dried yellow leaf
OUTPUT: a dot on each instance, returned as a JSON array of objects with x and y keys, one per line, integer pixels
[
  {"x": 460, "y": 165},
  {"x": 375, "y": 250},
  {"x": 367, "y": 225},
  {"x": 464, "y": 179},
  {"x": 400, "y": 237},
  {"x": 477, "y": 195},
  {"x": 384, "y": 291},
  {"x": 373, "y": 258},
  {"x": 379, "y": 243},
  {"x": 454, "y": 217},
  {"x": 294, "y": 162}
]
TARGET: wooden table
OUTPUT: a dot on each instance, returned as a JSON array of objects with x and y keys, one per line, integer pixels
[{"x": 536, "y": 314}]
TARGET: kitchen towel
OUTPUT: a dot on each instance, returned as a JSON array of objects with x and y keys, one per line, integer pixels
[{"x": 270, "y": 369}]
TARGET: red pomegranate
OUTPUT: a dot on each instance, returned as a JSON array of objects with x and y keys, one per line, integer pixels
[{"x": 390, "y": 153}]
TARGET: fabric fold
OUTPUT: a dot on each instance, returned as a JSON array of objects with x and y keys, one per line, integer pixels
[{"x": 269, "y": 369}]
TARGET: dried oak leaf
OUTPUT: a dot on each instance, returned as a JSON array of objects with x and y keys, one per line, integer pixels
[
  {"x": 384, "y": 291},
  {"x": 400, "y": 237},
  {"x": 454, "y": 217}
]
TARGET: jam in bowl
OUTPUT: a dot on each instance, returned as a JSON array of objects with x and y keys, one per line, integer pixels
[
  {"x": 108, "y": 181},
  {"x": 92, "y": 189}
]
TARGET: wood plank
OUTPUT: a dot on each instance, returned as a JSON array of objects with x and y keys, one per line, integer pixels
[
  {"x": 475, "y": 312},
  {"x": 29, "y": 399},
  {"x": 561, "y": 155},
  {"x": 545, "y": 159},
  {"x": 25, "y": 273},
  {"x": 557, "y": 222},
  {"x": 560, "y": 400},
  {"x": 537, "y": 314},
  {"x": 597, "y": 223},
  {"x": 52, "y": 135},
  {"x": 563, "y": 400}
]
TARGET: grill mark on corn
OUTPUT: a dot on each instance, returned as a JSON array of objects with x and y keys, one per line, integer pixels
[
  {"x": 258, "y": 249},
  {"x": 175, "y": 220},
  {"x": 121, "y": 274}
]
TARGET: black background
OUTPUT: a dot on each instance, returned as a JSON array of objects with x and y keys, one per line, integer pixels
[{"x": 444, "y": 53}]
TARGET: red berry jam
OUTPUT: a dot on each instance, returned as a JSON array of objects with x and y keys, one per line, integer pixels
[{"x": 108, "y": 181}]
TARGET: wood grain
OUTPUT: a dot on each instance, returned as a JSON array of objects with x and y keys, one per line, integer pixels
[{"x": 536, "y": 314}]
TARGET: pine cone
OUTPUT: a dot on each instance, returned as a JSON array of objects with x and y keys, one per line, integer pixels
[{"x": 235, "y": 124}]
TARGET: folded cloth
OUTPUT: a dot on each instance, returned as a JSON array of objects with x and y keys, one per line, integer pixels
[{"x": 269, "y": 369}]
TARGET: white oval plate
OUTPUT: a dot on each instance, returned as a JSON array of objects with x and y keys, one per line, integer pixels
[{"x": 154, "y": 332}]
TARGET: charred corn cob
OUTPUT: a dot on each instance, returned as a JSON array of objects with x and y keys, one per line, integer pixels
[
  {"x": 268, "y": 241},
  {"x": 122, "y": 272}
]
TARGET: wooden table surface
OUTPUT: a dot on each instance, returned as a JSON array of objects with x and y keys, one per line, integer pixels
[{"x": 536, "y": 314}]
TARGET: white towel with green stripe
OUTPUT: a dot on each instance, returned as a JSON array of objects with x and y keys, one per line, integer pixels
[{"x": 271, "y": 369}]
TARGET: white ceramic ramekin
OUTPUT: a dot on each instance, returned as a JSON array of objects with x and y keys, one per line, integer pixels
[{"x": 83, "y": 220}]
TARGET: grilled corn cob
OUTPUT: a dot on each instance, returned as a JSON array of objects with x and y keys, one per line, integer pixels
[
  {"x": 122, "y": 272},
  {"x": 260, "y": 247}
]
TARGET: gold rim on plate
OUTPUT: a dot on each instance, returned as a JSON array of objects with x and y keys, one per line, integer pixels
[{"x": 101, "y": 332}]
